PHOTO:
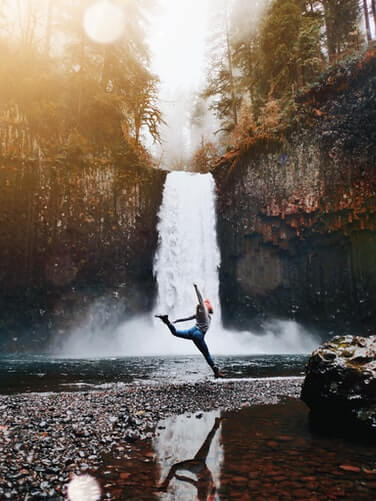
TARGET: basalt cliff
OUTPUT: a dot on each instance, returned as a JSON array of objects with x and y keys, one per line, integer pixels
[
  {"x": 297, "y": 217},
  {"x": 73, "y": 234}
]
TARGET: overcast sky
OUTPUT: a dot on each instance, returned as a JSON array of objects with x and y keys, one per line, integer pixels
[{"x": 177, "y": 39}]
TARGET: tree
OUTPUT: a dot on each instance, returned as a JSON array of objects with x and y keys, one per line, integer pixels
[
  {"x": 245, "y": 21},
  {"x": 204, "y": 157},
  {"x": 85, "y": 97},
  {"x": 27, "y": 24},
  {"x": 308, "y": 54},
  {"x": 142, "y": 106},
  {"x": 366, "y": 20},
  {"x": 278, "y": 57},
  {"x": 221, "y": 89},
  {"x": 49, "y": 20},
  {"x": 341, "y": 20},
  {"x": 373, "y": 8}
]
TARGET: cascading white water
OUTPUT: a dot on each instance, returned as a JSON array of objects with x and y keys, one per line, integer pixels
[{"x": 188, "y": 251}]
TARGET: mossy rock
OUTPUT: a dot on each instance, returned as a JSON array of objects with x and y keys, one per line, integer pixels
[{"x": 340, "y": 386}]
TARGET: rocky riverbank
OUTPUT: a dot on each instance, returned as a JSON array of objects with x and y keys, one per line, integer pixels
[{"x": 45, "y": 438}]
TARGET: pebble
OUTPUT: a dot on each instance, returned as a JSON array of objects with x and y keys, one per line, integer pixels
[{"x": 347, "y": 467}]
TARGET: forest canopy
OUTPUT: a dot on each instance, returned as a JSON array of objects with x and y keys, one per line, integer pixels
[
  {"x": 264, "y": 53},
  {"x": 83, "y": 98}
]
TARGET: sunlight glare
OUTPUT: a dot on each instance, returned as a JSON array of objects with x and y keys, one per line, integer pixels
[{"x": 104, "y": 22}]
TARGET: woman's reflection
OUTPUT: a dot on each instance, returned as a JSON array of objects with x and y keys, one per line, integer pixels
[{"x": 197, "y": 466}]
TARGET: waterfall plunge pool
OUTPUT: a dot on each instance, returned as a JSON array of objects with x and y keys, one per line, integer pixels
[{"x": 42, "y": 373}]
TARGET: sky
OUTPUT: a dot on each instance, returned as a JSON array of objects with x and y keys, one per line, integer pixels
[{"x": 177, "y": 38}]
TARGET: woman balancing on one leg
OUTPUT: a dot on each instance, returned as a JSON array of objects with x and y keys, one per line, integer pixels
[{"x": 204, "y": 310}]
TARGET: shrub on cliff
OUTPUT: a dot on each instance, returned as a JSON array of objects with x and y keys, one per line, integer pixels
[{"x": 204, "y": 157}]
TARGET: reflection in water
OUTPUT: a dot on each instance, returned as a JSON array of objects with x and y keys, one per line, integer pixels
[
  {"x": 190, "y": 455},
  {"x": 261, "y": 452}
]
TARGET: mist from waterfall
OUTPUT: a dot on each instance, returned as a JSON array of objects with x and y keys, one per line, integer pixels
[{"x": 187, "y": 253}]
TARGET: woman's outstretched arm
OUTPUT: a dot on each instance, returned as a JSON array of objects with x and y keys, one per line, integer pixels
[
  {"x": 199, "y": 297},
  {"x": 184, "y": 319}
]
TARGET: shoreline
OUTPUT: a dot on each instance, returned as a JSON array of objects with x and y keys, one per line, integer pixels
[
  {"x": 47, "y": 437},
  {"x": 122, "y": 386}
]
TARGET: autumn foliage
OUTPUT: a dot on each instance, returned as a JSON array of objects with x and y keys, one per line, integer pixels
[{"x": 76, "y": 97}]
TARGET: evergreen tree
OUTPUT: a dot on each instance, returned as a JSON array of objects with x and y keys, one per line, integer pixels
[
  {"x": 85, "y": 97},
  {"x": 270, "y": 61},
  {"x": 245, "y": 20},
  {"x": 373, "y": 8},
  {"x": 288, "y": 55},
  {"x": 221, "y": 89},
  {"x": 366, "y": 20},
  {"x": 342, "y": 26}
]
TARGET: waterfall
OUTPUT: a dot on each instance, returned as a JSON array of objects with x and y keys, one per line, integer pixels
[{"x": 188, "y": 251}]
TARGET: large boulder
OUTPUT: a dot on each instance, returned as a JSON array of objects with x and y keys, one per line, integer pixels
[{"x": 340, "y": 387}]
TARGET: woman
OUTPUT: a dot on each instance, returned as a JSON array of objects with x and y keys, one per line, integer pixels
[{"x": 204, "y": 310}]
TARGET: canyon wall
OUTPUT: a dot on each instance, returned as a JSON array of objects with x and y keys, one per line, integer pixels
[
  {"x": 297, "y": 217},
  {"x": 73, "y": 234}
]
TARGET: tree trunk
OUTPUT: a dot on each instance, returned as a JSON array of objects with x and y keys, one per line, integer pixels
[
  {"x": 48, "y": 27},
  {"x": 373, "y": 7},
  {"x": 81, "y": 76},
  {"x": 106, "y": 67},
  {"x": 330, "y": 42},
  {"x": 31, "y": 22},
  {"x": 137, "y": 127},
  {"x": 366, "y": 20},
  {"x": 231, "y": 74}
]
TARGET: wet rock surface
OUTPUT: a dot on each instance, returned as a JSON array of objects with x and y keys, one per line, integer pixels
[
  {"x": 46, "y": 438},
  {"x": 340, "y": 386}
]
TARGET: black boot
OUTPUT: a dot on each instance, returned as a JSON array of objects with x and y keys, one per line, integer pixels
[
  {"x": 164, "y": 318},
  {"x": 217, "y": 372},
  {"x": 166, "y": 321}
]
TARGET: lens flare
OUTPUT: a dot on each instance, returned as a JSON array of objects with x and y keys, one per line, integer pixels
[
  {"x": 104, "y": 22},
  {"x": 83, "y": 488}
]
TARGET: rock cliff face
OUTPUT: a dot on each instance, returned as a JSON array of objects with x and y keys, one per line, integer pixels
[
  {"x": 297, "y": 220},
  {"x": 71, "y": 234}
]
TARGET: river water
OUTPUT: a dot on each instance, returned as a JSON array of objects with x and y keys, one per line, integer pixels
[{"x": 47, "y": 373}]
